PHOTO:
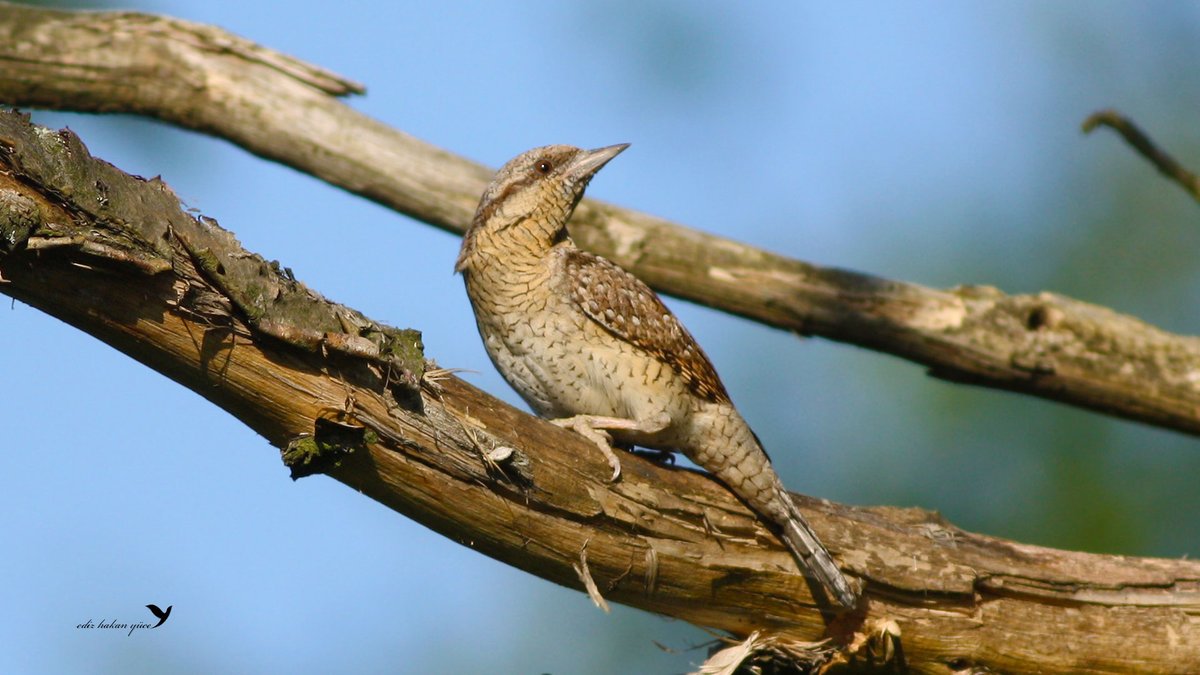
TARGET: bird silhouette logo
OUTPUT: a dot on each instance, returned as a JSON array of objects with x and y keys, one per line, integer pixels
[{"x": 161, "y": 614}]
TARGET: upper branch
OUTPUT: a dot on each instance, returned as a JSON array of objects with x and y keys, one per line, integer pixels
[{"x": 203, "y": 78}]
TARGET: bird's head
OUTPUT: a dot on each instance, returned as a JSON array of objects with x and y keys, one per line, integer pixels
[{"x": 535, "y": 193}]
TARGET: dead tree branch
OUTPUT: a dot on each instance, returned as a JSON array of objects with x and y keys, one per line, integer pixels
[
  {"x": 118, "y": 257},
  {"x": 203, "y": 78}
]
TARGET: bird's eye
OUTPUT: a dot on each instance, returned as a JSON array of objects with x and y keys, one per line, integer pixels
[{"x": 543, "y": 166}]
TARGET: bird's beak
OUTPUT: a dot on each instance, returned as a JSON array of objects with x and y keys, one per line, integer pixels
[{"x": 587, "y": 163}]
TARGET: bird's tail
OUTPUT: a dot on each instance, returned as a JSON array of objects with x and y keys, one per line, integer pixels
[
  {"x": 811, "y": 555},
  {"x": 742, "y": 464}
]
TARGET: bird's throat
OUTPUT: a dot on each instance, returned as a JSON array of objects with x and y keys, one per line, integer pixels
[{"x": 522, "y": 244}]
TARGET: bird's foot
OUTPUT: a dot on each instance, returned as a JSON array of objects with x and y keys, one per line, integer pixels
[
  {"x": 596, "y": 428},
  {"x": 581, "y": 424}
]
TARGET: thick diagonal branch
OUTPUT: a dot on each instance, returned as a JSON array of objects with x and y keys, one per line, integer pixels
[
  {"x": 203, "y": 78},
  {"x": 118, "y": 257}
]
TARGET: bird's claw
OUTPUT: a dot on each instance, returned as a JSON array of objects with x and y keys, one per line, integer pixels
[{"x": 603, "y": 440}]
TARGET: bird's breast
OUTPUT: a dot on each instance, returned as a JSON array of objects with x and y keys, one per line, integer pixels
[{"x": 563, "y": 363}]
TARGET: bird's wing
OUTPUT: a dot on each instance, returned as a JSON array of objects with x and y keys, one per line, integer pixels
[{"x": 627, "y": 308}]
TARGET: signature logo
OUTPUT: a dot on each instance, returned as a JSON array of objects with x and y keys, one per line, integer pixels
[{"x": 160, "y": 614}]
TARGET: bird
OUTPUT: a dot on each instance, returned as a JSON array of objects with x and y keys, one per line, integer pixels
[{"x": 592, "y": 348}]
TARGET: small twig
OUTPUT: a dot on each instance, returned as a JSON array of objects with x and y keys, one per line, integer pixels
[
  {"x": 1142, "y": 143},
  {"x": 436, "y": 375}
]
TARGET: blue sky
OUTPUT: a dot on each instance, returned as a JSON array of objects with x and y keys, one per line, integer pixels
[{"x": 932, "y": 142}]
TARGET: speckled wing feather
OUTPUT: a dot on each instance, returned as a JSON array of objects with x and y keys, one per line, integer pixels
[{"x": 628, "y": 309}]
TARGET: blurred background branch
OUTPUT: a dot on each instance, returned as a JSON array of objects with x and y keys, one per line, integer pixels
[{"x": 204, "y": 78}]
